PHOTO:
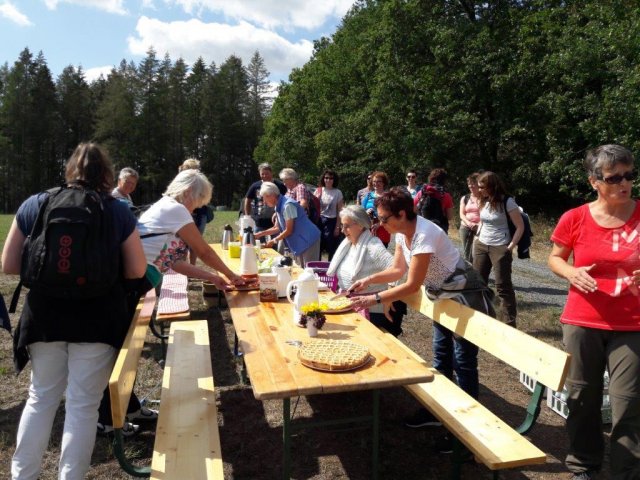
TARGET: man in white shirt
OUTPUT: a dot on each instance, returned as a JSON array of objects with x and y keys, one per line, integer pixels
[{"x": 127, "y": 183}]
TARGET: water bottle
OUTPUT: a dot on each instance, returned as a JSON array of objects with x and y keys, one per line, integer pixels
[
  {"x": 248, "y": 238},
  {"x": 227, "y": 236}
]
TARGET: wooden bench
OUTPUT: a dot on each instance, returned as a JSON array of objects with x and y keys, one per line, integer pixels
[
  {"x": 490, "y": 439},
  {"x": 123, "y": 377},
  {"x": 187, "y": 439}
]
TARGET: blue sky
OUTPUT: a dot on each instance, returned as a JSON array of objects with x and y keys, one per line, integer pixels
[{"x": 98, "y": 34}]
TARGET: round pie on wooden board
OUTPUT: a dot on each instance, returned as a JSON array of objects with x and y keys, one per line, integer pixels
[{"x": 333, "y": 355}]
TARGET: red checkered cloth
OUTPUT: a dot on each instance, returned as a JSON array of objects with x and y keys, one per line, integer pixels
[{"x": 173, "y": 295}]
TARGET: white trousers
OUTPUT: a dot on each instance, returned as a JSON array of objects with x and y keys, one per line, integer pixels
[{"x": 82, "y": 369}]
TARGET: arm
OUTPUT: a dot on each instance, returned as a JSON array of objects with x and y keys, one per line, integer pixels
[
  {"x": 516, "y": 218},
  {"x": 449, "y": 213},
  {"x": 338, "y": 228},
  {"x": 289, "y": 225},
  {"x": 185, "y": 268},
  {"x": 388, "y": 275},
  {"x": 269, "y": 231},
  {"x": 415, "y": 278},
  {"x": 192, "y": 237},
  {"x": 12, "y": 251},
  {"x": 247, "y": 206},
  {"x": 577, "y": 276},
  {"x": 463, "y": 217},
  {"x": 133, "y": 259}
]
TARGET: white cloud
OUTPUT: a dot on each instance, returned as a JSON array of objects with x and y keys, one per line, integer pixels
[
  {"x": 94, "y": 73},
  {"x": 110, "y": 6},
  {"x": 11, "y": 12},
  {"x": 270, "y": 14},
  {"x": 216, "y": 42}
]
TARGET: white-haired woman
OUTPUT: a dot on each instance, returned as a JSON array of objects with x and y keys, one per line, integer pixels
[
  {"x": 201, "y": 215},
  {"x": 359, "y": 256},
  {"x": 293, "y": 226},
  {"x": 168, "y": 231}
]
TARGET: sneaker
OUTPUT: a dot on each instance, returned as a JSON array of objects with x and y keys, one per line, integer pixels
[
  {"x": 422, "y": 418},
  {"x": 582, "y": 476},
  {"x": 143, "y": 415},
  {"x": 128, "y": 429}
]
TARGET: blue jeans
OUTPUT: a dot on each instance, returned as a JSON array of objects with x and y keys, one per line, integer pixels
[{"x": 453, "y": 353}]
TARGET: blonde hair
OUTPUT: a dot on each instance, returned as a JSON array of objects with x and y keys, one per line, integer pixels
[
  {"x": 190, "y": 184},
  {"x": 189, "y": 164}
]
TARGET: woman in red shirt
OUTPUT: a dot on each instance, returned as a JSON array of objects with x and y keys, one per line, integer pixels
[{"x": 601, "y": 320}]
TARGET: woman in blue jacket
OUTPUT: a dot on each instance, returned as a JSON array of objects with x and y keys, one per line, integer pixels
[{"x": 293, "y": 226}]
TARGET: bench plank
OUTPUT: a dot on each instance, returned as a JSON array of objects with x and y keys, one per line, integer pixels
[
  {"x": 543, "y": 362},
  {"x": 123, "y": 375},
  {"x": 187, "y": 439},
  {"x": 489, "y": 438}
]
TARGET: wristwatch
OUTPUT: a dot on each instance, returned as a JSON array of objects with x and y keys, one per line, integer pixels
[{"x": 378, "y": 299}]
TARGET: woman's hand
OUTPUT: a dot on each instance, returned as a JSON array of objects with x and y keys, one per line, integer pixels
[
  {"x": 363, "y": 301},
  {"x": 271, "y": 243},
  {"x": 219, "y": 282},
  {"x": 259, "y": 234},
  {"x": 359, "y": 285},
  {"x": 236, "y": 279},
  {"x": 580, "y": 278}
]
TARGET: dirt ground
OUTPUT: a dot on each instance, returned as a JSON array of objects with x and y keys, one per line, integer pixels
[{"x": 251, "y": 430}]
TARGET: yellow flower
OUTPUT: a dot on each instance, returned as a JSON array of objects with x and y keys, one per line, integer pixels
[{"x": 313, "y": 309}]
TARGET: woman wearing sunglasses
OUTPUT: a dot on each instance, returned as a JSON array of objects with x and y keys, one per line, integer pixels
[
  {"x": 493, "y": 249},
  {"x": 430, "y": 260},
  {"x": 601, "y": 319}
]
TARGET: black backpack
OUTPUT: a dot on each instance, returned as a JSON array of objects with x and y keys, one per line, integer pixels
[
  {"x": 314, "y": 208},
  {"x": 70, "y": 252},
  {"x": 430, "y": 206},
  {"x": 524, "y": 244}
]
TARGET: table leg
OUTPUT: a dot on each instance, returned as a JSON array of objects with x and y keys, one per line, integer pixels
[
  {"x": 376, "y": 432},
  {"x": 286, "y": 438}
]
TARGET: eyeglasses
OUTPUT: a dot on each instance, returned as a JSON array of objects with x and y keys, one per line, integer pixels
[
  {"x": 344, "y": 226},
  {"x": 384, "y": 220},
  {"x": 617, "y": 179},
  {"x": 378, "y": 181},
  {"x": 481, "y": 187},
  {"x": 411, "y": 176},
  {"x": 328, "y": 178}
]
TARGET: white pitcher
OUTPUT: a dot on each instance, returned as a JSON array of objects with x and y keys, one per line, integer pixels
[
  {"x": 284, "y": 277},
  {"x": 307, "y": 285}
]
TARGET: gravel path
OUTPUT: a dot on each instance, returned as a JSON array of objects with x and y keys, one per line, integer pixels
[{"x": 536, "y": 285}]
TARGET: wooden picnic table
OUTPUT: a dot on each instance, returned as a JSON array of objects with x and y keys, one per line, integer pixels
[{"x": 267, "y": 336}]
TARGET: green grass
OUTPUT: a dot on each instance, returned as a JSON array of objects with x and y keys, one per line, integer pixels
[
  {"x": 5, "y": 224},
  {"x": 213, "y": 233}
]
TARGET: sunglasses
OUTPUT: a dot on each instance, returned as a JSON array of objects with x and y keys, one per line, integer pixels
[
  {"x": 617, "y": 179},
  {"x": 411, "y": 176},
  {"x": 328, "y": 178}
]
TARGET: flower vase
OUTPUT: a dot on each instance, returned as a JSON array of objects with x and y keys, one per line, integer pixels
[{"x": 311, "y": 328}]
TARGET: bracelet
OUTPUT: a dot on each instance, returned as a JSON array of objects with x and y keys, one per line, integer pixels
[{"x": 377, "y": 296}]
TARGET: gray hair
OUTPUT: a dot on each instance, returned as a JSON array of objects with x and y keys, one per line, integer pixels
[
  {"x": 128, "y": 172},
  {"x": 189, "y": 163},
  {"x": 264, "y": 166},
  {"x": 605, "y": 157},
  {"x": 288, "y": 173},
  {"x": 269, "y": 188},
  {"x": 357, "y": 214},
  {"x": 190, "y": 184}
]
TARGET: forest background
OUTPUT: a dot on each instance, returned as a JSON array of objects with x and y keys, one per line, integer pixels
[{"x": 520, "y": 87}]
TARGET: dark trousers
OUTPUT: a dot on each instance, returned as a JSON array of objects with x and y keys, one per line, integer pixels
[
  {"x": 500, "y": 259},
  {"x": 591, "y": 351},
  {"x": 466, "y": 237},
  {"x": 397, "y": 314},
  {"x": 328, "y": 241}
]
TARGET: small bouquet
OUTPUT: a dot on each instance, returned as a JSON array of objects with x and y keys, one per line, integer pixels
[{"x": 314, "y": 313}]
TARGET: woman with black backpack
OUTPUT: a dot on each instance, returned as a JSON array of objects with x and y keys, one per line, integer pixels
[
  {"x": 71, "y": 339},
  {"x": 494, "y": 246}
]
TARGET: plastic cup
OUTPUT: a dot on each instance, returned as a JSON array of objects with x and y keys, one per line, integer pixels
[{"x": 234, "y": 249}]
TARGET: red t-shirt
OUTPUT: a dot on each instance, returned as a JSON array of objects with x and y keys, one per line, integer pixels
[{"x": 615, "y": 305}]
